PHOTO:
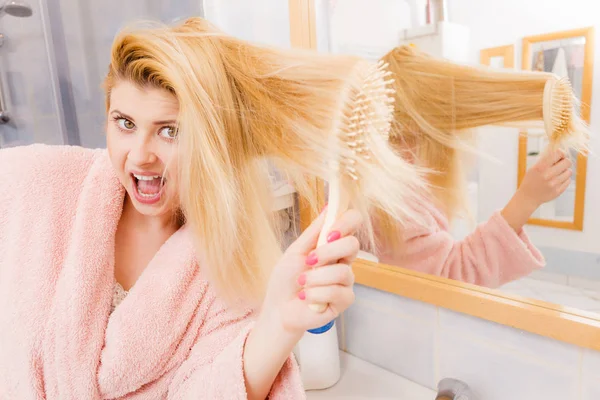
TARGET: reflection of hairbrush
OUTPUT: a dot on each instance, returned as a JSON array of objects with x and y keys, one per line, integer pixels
[
  {"x": 558, "y": 112},
  {"x": 357, "y": 142},
  {"x": 441, "y": 101}
]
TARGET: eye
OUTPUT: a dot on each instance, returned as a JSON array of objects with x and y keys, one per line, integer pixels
[
  {"x": 168, "y": 132},
  {"x": 125, "y": 124}
]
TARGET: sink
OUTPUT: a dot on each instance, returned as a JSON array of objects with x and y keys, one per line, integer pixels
[{"x": 362, "y": 380}]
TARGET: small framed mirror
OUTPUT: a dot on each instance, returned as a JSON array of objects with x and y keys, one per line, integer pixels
[
  {"x": 498, "y": 57},
  {"x": 566, "y": 54}
]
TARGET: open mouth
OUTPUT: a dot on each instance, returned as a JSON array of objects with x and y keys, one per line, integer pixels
[{"x": 148, "y": 188}]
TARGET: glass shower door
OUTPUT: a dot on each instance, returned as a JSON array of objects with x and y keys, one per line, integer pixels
[
  {"x": 53, "y": 62},
  {"x": 27, "y": 78}
]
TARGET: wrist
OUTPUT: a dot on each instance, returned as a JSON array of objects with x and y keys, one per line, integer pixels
[
  {"x": 518, "y": 210},
  {"x": 271, "y": 324},
  {"x": 526, "y": 201},
  {"x": 267, "y": 348}
]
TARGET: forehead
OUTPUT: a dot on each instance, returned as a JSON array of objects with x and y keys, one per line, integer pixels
[{"x": 143, "y": 102}]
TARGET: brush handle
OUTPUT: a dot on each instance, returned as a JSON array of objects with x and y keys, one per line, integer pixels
[{"x": 337, "y": 204}]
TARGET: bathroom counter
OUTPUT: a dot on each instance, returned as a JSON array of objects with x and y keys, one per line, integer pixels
[{"x": 362, "y": 380}]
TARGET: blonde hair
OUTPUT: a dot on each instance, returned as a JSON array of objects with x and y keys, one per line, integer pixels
[
  {"x": 439, "y": 103},
  {"x": 240, "y": 103}
]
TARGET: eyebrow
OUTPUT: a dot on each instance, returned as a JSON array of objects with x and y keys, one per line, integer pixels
[{"x": 165, "y": 122}]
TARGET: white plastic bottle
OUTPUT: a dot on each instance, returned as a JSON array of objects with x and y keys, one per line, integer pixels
[
  {"x": 319, "y": 358},
  {"x": 318, "y": 352}
]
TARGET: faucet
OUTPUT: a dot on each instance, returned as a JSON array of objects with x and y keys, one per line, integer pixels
[{"x": 453, "y": 389}]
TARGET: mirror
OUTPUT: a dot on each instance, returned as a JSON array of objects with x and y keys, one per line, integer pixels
[
  {"x": 566, "y": 54},
  {"x": 557, "y": 271}
]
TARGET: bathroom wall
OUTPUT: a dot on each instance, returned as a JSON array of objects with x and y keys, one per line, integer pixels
[
  {"x": 259, "y": 21},
  {"x": 496, "y": 23},
  {"x": 425, "y": 343},
  {"x": 350, "y": 26}
]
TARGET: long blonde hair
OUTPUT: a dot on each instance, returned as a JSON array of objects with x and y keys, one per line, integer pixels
[
  {"x": 439, "y": 103},
  {"x": 240, "y": 103}
]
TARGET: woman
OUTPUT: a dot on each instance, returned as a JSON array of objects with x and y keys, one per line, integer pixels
[
  {"x": 437, "y": 105},
  {"x": 138, "y": 272},
  {"x": 497, "y": 251}
]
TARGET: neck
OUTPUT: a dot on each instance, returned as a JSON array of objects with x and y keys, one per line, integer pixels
[{"x": 167, "y": 222}]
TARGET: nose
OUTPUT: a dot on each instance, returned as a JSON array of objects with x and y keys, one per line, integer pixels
[{"x": 142, "y": 150}]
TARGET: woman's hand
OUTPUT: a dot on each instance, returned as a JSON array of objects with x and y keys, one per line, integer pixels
[
  {"x": 304, "y": 274},
  {"x": 545, "y": 181}
]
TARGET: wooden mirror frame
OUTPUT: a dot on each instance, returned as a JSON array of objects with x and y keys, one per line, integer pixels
[
  {"x": 586, "y": 99},
  {"x": 554, "y": 321},
  {"x": 506, "y": 52}
]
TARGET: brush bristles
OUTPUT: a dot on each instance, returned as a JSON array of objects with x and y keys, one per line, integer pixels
[
  {"x": 563, "y": 127},
  {"x": 376, "y": 177},
  {"x": 371, "y": 113}
]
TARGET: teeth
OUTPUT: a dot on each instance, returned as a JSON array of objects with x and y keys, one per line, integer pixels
[
  {"x": 147, "y": 196},
  {"x": 145, "y": 177}
]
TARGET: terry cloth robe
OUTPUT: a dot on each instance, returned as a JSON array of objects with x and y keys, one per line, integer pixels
[{"x": 171, "y": 337}]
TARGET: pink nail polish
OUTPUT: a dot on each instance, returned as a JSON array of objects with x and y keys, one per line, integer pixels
[
  {"x": 312, "y": 259},
  {"x": 333, "y": 236},
  {"x": 324, "y": 207},
  {"x": 302, "y": 280},
  {"x": 302, "y": 295}
]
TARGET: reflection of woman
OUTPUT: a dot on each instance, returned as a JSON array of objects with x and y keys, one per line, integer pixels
[
  {"x": 150, "y": 216},
  {"x": 498, "y": 250},
  {"x": 429, "y": 92}
]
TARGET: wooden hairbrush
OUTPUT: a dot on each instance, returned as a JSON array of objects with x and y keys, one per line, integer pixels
[
  {"x": 368, "y": 114},
  {"x": 560, "y": 123}
]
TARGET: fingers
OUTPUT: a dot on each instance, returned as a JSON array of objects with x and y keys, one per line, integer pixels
[
  {"x": 564, "y": 176},
  {"x": 347, "y": 224},
  {"x": 561, "y": 189},
  {"x": 551, "y": 157},
  {"x": 345, "y": 248},
  {"x": 559, "y": 167},
  {"x": 337, "y": 296},
  {"x": 337, "y": 274}
]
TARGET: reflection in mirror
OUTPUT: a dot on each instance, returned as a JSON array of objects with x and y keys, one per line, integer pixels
[
  {"x": 567, "y": 55},
  {"x": 497, "y": 62},
  {"x": 562, "y": 207},
  {"x": 497, "y": 250},
  {"x": 564, "y": 58}
]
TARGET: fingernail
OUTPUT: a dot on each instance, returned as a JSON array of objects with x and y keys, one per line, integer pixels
[
  {"x": 324, "y": 207},
  {"x": 333, "y": 236},
  {"x": 302, "y": 280},
  {"x": 302, "y": 295},
  {"x": 312, "y": 259}
]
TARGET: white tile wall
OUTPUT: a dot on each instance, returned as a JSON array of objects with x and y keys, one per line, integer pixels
[
  {"x": 425, "y": 344},
  {"x": 381, "y": 329},
  {"x": 509, "y": 339},
  {"x": 496, "y": 373},
  {"x": 590, "y": 375}
]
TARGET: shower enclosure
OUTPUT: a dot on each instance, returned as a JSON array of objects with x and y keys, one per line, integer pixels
[{"x": 54, "y": 55}]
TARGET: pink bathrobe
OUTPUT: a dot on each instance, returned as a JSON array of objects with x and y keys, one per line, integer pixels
[
  {"x": 171, "y": 338},
  {"x": 490, "y": 256}
]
